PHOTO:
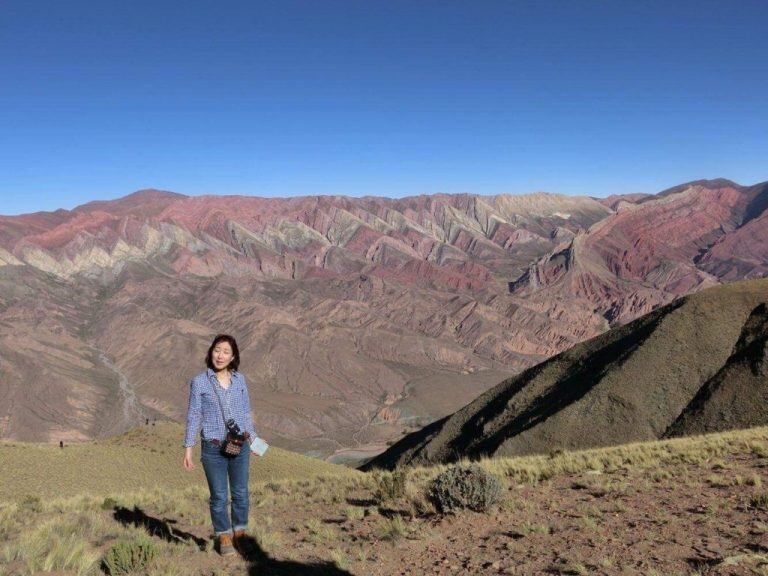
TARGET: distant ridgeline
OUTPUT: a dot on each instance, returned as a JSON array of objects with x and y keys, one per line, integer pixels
[{"x": 360, "y": 319}]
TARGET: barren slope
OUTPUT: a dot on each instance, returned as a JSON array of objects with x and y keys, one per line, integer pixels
[
  {"x": 360, "y": 318},
  {"x": 737, "y": 395},
  {"x": 699, "y": 356}
]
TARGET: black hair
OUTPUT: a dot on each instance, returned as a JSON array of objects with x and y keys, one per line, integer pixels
[{"x": 235, "y": 363}]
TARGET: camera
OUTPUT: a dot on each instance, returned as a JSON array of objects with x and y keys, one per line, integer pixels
[
  {"x": 233, "y": 428},
  {"x": 234, "y": 440}
]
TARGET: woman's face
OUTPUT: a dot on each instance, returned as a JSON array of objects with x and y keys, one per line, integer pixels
[{"x": 222, "y": 355}]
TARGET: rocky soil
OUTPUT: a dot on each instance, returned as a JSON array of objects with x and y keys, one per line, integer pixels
[{"x": 687, "y": 518}]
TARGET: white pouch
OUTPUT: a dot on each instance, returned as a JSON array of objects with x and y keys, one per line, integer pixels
[{"x": 258, "y": 446}]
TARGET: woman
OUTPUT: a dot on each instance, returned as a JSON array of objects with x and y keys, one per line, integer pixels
[{"x": 215, "y": 396}]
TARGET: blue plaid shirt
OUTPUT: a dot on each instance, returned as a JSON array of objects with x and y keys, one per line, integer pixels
[{"x": 204, "y": 413}]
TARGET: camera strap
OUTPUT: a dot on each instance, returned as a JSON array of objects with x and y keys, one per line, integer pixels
[{"x": 221, "y": 404}]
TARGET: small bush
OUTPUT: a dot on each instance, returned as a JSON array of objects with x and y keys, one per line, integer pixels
[
  {"x": 392, "y": 530},
  {"x": 719, "y": 482},
  {"x": 465, "y": 487},
  {"x": 318, "y": 533},
  {"x": 129, "y": 556},
  {"x": 108, "y": 503},
  {"x": 759, "y": 501},
  {"x": 527, "y": 528},
  {"x": 589, "y": 523},
  {"x": 354, "y": 513},
  {"x": 418, "y": 502},
  {"x": 390, "y": 485}
]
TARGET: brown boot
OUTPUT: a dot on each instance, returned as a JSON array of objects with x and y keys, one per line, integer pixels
[
  {"x": 238, "y": 535},
  {"x": 225, "y": 544}
]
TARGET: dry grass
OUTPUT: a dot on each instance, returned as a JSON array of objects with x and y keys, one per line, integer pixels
[
  {"x": 392, "y": 530},
  {"x": 267, "y": 537},
  {"x": 58, "y": 544},
  {"x": 527, "y": 528},
  {"x": 70, "y": 534},
  {"x": 657, "y": 457},
  {"x": 145, "y": 457},
  {"x": 340, "y": 558},
  {"x": 318, "y": 533},
  {"x": 389, "y": 485},
  {"x": 353, "y": 513},
  {"x": 760, "y": 501}
]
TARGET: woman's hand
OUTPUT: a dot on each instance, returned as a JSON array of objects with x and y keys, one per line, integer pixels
[{"x": 188, "y": 463}]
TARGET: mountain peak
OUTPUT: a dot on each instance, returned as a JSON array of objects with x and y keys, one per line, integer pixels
[
  {"x": 709, "y": 184},
  {"x": 145, "y": 202}
]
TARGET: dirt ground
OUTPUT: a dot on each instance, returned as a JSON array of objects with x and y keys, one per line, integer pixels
[{"x": 703, "y": 518}]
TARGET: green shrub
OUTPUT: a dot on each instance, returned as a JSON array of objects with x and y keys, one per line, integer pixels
[
  {"x": 129, "y": 555},
  {"x": 108, "y": 503},
  {"x": 390, "y": 485},
  {"x": 465, "y": 487}
]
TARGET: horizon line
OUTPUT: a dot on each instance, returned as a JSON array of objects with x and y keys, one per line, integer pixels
[{"x": 286, "y": 197}]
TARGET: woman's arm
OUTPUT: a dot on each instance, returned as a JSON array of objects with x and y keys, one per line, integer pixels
[
  {"x": 194, "y": 414},
  {"x": 189, "y": 464},
  {"x": 248, "y": 416}
]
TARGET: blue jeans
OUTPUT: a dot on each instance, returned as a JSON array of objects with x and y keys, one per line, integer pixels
[{"x": 225, "y": 475}]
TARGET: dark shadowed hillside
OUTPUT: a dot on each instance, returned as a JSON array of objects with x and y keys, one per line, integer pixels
[
  {"x": 694, "y": 365},
  {"x": 737, "y": 396}
]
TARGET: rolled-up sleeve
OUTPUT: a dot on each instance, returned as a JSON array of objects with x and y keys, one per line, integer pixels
[{"x": 194, "y": 414}]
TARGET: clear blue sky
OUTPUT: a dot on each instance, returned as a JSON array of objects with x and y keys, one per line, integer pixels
[{"x": 101, "y": 98}]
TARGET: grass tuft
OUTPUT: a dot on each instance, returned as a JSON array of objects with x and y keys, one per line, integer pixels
[
  {"x": 390, "y": 485},
  {"x": 759, "y": 501},
  {"x": 392, "y": 530},
  {"x": 129, "y": 555}
]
